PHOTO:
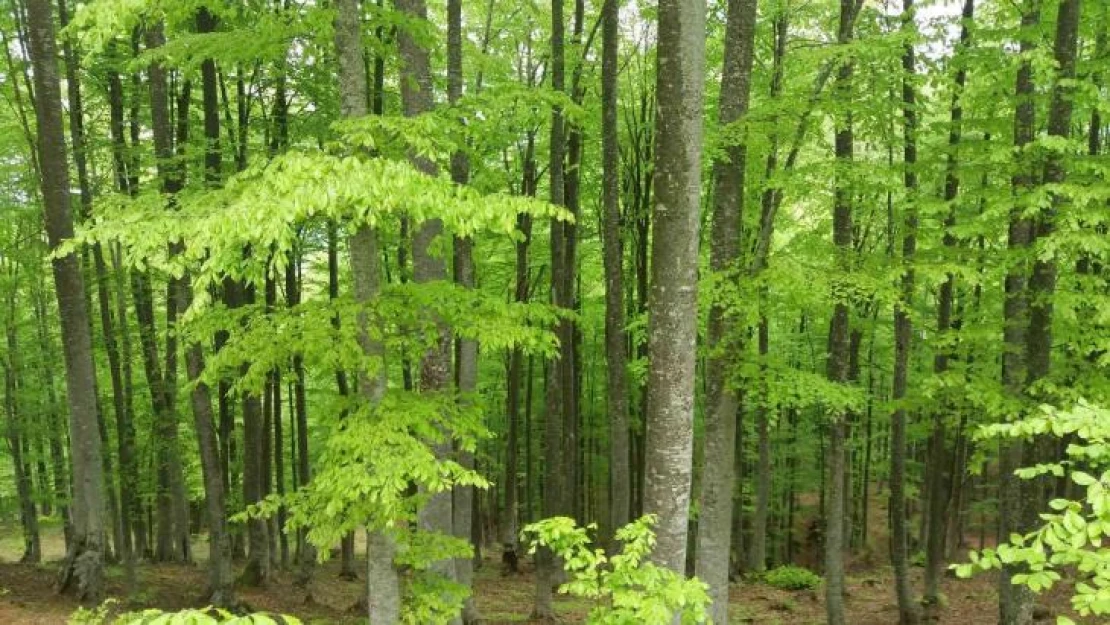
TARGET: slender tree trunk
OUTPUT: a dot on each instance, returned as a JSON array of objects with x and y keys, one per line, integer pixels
[
  {"x": 616, "y": 341},
  {"x": 1015, "y": 603},
  {"x": 172, "y": 539},
  {"x": 555, "y": 483},
  {"x": 84, "y": 565},
  {"x": 382, "y": 580},
  {"x": 130, "y": 510},
  {"x": 903, "y": 336},
  {"x": 838, "y": 364},
  {"x": 28, "y": 515},
  {"x": 672, "y": 325},
  {"x": 939, "y": 463},
  {"x": 466, "y": 351},
  {"x": 435, "y": 367},
  {"x": 718, "y": 482},
  {"x": 758, "y": 549}
]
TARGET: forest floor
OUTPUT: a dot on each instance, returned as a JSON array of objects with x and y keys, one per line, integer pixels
[{"x": 27, "y": 595}]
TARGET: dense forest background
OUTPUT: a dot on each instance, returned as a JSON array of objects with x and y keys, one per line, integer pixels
[{"x": 819, "y": 287}]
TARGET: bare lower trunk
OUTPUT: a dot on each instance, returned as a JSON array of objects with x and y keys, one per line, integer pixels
[
  {"x": 719, "y": 479},
  {"x": 672, "y": 306},
  {"x": 84, "y": 565},
  {"x": 616, "y": 356}
]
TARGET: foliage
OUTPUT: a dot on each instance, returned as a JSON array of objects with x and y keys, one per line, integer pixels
[
  {"x": 627, "y": 586},
  {"x": 792, "y": 578},
  {"x": 102, "y": 615},
  {"x": 1070, "y": 539}
]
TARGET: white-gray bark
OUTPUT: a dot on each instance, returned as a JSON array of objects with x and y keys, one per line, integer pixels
[{"x": 672, "y": 303}]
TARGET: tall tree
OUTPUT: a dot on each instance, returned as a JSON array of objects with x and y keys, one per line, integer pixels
[
  {"x": 838, "y": 362},
  {"x": 616, "y": 351},
  {"x": 1015, "y": 603},
  {"x": 555, "y": 484},
  {"x": 84, "y": 563},
  {"x": 718, "y": 483},
  {"x": 672, "y": 305},
  {"x": 903, "y": 330},
  {"x": 382, "y": 579}
]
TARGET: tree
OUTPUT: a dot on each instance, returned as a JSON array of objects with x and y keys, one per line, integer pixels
[
  {"x": 672, "y": 306},
  {"x": 715, "y": 525},
  {"x": 83, "y": 570}
]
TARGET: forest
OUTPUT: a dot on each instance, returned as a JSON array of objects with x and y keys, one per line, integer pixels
[{"x": 555, "y": 311}]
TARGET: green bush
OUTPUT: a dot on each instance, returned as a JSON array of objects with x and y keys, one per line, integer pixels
[
  {"x": 792, "y": 578},
  {"x": 628, "y": 589},
  {"x": 103, "y": 615}
]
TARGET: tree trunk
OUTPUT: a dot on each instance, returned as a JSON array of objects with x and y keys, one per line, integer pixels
[
  {"x": 466, "y": 351},
  {"x": 1015, "y": 603},
  {"x": 382, "y": 579},
  {"x": 555, "y": 484},
  {"x": 718, "y": 483},
  {"x": 130, "y": 509},
  {"x": 903, "y": 336},
  {"x": 172, "y": 538},
  {"x": 28, "y": 515},
  {"x": 616, "y": 357},
  {"x": 838, "y": 364},
  {"x": 84, "y": 565},
  {"x": 672, "y": 306}
]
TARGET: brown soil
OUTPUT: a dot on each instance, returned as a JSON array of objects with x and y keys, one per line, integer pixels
[{"x": 27, "y": 596}]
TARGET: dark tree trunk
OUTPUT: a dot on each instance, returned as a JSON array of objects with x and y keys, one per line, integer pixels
[
  {"x": 130, "y": 509},
  {"x": 221, "y": 591},
  {"x": 1015, "y": 603},
  {"x": 838, "y": 365},
  {"x": 28, "y": 515},
  {"x": 466, "y": 351},
  {"x": 172, "y": 537},
  {"x": 555, "y": 484},
  {"x": 903, "y": 334},
  {"x": 616, "y": 341}
]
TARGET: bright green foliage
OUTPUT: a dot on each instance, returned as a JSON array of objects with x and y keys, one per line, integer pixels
[
  {"x": 628, "y": 588},
  {"x": 792, "y": 578},
  {"x": 1072, "y": 535},
  {"x": 100, "y": 615}
]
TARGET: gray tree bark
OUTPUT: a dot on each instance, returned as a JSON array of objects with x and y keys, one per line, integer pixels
[
  {"x": 382, "y": 579},
  {"x": 718, "y": 483},
  {"x": 466, "y": 351},
  {"x": 672, "y": 305},
  {"x": 84, "y": 564}
]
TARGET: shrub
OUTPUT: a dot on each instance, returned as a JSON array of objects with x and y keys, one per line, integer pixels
[
  {"x": 628, "y": 589},
  {"x": 792, "y": 578}
]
